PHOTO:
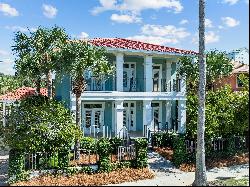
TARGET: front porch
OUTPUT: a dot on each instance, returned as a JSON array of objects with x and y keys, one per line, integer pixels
[{"x": 133, "y": 118}]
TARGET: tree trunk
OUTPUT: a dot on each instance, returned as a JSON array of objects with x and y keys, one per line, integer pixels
[
  {"x": 78, "y": 124},
  {"x": 78, "y": 87},
  {"x": 38, "y": 85},
  {"x": 200, "y": 172},
  {"x": 49, "y": 84}
]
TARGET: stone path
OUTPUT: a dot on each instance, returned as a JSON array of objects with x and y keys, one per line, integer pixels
[{"x": 167, "y": 175}]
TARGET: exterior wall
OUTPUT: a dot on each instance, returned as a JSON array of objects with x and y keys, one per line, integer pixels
[
  {"x": 229, "y": 80},
  {"x": 62, "y": 90}
]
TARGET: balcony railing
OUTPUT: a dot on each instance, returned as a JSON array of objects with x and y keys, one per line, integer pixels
[
  {"x": 162, "y": 85},
  {"x": 101, "y": 84},
  {"x": 133, "y": 85}
]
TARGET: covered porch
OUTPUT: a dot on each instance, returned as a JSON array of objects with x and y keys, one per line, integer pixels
[{"x": 132, "y": 118}]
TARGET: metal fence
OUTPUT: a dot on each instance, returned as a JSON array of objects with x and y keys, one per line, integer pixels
[{"x": 218, "y": 144}]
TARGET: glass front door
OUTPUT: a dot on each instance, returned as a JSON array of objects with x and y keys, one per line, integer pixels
[
  {"x": 156, "y": 78},
  {"x": 129, "y": 78},
  {"x": 93, "y": 119},
  {"x": 129, "y": 116},
  {"x": 156, "y": 116}
]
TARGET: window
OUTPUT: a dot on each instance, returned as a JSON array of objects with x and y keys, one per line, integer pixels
[
  {"x": 92, "y": 105},
  {"x": 239, "y": 82}
]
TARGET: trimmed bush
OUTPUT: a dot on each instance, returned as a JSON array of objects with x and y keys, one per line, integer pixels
[
  {"x": 88, "y": 143},
  {"x": 141, "y": 153},
  {"x": 179, "y": 150},
  {"x": 104, "y": 152}
]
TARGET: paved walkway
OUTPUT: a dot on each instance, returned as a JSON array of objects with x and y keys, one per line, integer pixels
[{"x": 167, "y": 175}]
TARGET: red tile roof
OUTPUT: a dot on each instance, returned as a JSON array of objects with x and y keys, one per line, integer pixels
[
  {"x": 21, "y": 93},
  {"x": 122, "y": 43}
]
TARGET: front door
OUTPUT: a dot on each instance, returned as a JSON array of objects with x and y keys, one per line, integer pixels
[
  {"x": 129, "y": 116},
  {"x": 129, "y": 78},
  {"x": 156, "y": 116},
  {"x": 156, "y": 78},
  {"x": 93, "y": 119}
]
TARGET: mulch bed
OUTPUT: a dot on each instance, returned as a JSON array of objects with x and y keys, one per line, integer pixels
[
  {"x": 114, "y": 177},
  {"x": 167, "y": 153}
]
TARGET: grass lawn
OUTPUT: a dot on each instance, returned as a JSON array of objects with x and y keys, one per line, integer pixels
[{"x": 230, "y": 182}]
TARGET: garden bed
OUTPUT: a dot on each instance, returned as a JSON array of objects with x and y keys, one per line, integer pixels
[
  {"x": 114, "y": 177},
  {"x": 243, "y": 158}
]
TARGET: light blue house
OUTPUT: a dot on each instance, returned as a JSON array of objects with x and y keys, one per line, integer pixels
[{"x": 145, "y": 94}]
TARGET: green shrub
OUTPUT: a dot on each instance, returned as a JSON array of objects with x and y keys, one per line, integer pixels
[
  {"x": 104, "y": 152},
  {"x": 179, "y": 150},
  {"x": 38, "y": 124},
  {"x": 141, "y": 160},
  {"x": 88, "y": 143},
  {"x": 16, "y": 170},
  {"x": 115, "y": 142},
  {"x": 63, "y": 158}
]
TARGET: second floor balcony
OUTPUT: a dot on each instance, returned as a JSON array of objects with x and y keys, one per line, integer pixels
[{"x": 132, "y": 84}]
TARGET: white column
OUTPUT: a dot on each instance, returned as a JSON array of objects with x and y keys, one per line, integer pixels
[
  {"x": 119, "y": 71},
  {"x": 147, "y": 116},
  {"x": 182, "y": 116},
  {"x": 119, "y": 117},
  {"x": 168, "y": 77},
  {"x": 168, "y": 113},
  {"x": 148, "y": 73}
]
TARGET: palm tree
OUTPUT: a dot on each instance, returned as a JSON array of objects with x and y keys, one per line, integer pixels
[
  {"x": 76, "y": 57},
  {"x": 35, "y": 54},
  {"x": 200, "y": 172}
]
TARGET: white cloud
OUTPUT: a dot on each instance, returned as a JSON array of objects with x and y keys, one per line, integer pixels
[
  {"x": 49, "y": 11},
  {"x": 230, "y": 22},
  {"x": 125, "y": 18},
  {"x": 166, "y": 31},
  {"x": 83, "y": 35},
  {"x": 3, "y": 53},
  {"x": 19, "y": 28},
  {"x": 184, "y": 21},
  {"x": 231, "y": 2},
  {"x": 8, "y": 10},
  {"x": 137, "y": 6},
  {"x": 160, "y": 34},
  {"x": 210, "y": 37},
  {"x": 208, "y": 23}
]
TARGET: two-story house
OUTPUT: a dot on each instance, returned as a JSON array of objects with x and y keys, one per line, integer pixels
[{"x": 145, "y": 93}]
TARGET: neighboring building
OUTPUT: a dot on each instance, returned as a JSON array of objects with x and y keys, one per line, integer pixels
[
  {"x": 7, "y": 99},
  {"x": 233, "y": 79},
  {"x": 145, "y": 94},
  {"x": 240, "y": 55}
]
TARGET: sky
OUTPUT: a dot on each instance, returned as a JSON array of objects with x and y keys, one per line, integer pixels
[{"x": 173, "y": 23}]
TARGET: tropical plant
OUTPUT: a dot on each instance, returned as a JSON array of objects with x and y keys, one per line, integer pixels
[
  {"x": 76, "y": 58},
  {"x": 35, "y": 54},
  {"x": 200, "y": 171}
]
